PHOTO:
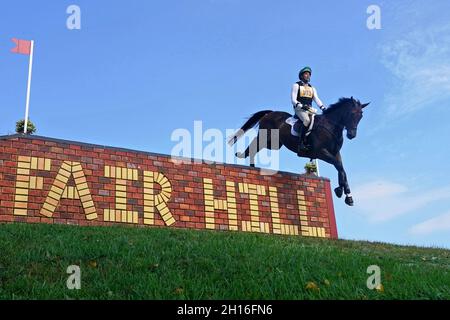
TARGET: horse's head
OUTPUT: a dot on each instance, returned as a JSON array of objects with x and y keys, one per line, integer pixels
[{"x": 353, "y": 117}]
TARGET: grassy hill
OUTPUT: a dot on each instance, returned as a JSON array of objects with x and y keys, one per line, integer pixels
[{"x": 164, "y": 263}]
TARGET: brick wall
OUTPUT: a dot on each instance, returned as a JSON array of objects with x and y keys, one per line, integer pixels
[{"x": 44, "y": 180}]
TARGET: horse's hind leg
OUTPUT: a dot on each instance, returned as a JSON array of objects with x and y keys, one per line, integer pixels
[
  {"x": 245, "y": 154},
  {"x": 251, "y": 151}
]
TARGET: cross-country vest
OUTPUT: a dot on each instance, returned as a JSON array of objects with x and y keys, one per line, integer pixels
[{"x": 305, "y": 93}]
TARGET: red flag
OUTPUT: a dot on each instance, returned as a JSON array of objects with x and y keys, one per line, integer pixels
[{"x": 22, "y": 46}]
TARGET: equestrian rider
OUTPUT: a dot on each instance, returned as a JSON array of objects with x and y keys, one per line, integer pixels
[{"x": 302, "y": 95}]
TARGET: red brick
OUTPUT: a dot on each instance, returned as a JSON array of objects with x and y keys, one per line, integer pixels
[
  {"x": 186, "y": 203},
  {"x": 6, "y": 218}
]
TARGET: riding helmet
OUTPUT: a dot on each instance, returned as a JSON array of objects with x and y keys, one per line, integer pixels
[{"x": 305, "y": 69}]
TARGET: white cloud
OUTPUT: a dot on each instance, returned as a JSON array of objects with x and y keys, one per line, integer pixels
[
  {"x": 420, "y": 62},
  {"x": 437, "y": 224},
  {"x": 379, "y": 189},
  {"x": 384, "y": 200}
]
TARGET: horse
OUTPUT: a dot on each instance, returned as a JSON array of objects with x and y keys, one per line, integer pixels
[{"x": 325, "y": 139}]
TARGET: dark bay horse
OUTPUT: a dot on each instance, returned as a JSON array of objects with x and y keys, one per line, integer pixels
[{"x": 326, "y": 138}]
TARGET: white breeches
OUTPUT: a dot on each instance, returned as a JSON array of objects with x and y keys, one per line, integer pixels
[{"x": 303, "y": 115}]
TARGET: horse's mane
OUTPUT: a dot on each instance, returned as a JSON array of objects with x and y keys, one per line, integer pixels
[{"x": 335, "y": 106}]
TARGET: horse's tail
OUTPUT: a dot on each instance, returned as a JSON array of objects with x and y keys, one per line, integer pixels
[{"x": 253, "y": 121}]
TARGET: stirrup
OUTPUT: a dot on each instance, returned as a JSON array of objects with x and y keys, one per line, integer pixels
[{"x": 304, "y": 147}]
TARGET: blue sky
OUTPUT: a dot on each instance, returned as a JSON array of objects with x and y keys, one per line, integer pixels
[{"x": 138, "y": 70}]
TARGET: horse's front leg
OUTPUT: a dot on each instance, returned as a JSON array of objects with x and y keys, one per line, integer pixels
[
  {"x": 336, "y": 161},
  {"x": 343, "y": 182}
]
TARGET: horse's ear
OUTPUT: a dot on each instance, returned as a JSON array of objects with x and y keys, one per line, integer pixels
[
  {"x": 365, "y": 105},
  {"x": 352, "y": 98}
]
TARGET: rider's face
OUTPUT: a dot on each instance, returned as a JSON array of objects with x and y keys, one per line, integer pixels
[{"x": 306, "y": 76}]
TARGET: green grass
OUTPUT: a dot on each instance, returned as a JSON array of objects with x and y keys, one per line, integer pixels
[{"x": 164, "y": 263}]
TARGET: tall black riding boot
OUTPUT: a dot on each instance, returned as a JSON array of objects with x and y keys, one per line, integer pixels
[{"x": 301, "y": 134}]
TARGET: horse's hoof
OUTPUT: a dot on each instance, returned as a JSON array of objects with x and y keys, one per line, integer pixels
[
  {"x": 252, "y": 165},
  {"x": 240, "y": 155},
  {"x": 339, "y": 191},
  {"x": 349, "y": 201}
]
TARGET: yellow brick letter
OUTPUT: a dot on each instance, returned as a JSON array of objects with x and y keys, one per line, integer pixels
[
  {"x": 159, "y": 201},
  {"x": 68, "y": 169},
  {"x": 212, "y": 204},
  {"x": 25, "y": 181}
]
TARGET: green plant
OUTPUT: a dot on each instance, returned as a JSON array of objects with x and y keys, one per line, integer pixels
[
  {"x": 20, "y": 127},
  {"x": 311, "y": 167}
]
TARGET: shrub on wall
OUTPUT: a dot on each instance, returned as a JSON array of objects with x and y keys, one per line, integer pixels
[
  {"x": 20, "y": 127},
  {"x": 311, "y": 168}
]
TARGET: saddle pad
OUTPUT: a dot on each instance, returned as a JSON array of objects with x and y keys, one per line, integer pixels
[{"x": 292, "y": 120}]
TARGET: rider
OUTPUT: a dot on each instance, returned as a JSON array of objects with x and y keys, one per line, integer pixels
[{"x": 302, "y": 96}]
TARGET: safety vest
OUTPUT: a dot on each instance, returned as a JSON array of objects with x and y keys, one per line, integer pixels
[{"x": 305, "y": 93}]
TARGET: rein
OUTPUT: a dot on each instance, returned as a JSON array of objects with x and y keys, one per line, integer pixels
[{"x": 336, "y": 132}]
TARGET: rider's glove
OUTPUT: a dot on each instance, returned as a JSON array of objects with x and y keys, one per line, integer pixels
[{"x": 323, "y": 108}]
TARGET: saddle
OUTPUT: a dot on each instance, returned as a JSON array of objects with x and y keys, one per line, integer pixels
[{"x": 294, "y": 119}]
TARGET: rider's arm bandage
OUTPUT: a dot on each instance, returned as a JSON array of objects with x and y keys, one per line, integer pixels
[
  {"x": 317, "y": 100},
  {"x": 294, "y": 94}
]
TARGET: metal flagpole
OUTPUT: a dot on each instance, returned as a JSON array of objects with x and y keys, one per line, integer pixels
[
  {"x": 317, "y": 166},
  {"x": 30, "y": 67}
]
